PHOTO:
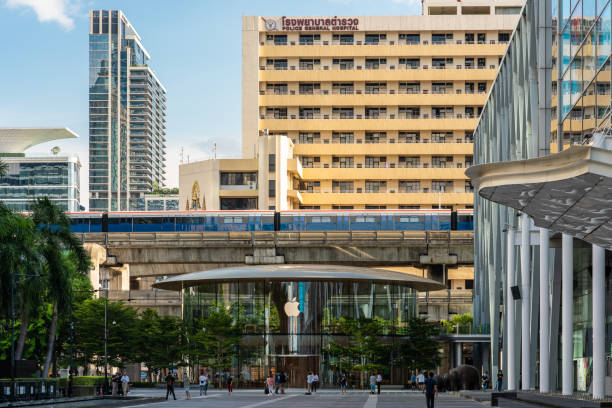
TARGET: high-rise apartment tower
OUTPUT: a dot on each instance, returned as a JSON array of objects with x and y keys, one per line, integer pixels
[
  {"x": 359, "y": 112},
  {"x": 127, "y": 116}
]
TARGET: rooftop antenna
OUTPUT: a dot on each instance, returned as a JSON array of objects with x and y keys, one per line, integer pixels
[
  {"x": 215, "y": 150},
  {"x": 182, "y": 154}
]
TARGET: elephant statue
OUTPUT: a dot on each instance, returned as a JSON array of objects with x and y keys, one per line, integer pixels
[{"x": 464, "y": 377}]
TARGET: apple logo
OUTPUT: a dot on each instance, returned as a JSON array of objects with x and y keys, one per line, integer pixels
[{"x": 292, "y": 308}]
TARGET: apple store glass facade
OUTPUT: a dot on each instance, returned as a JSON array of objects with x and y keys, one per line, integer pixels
[
  {"x": 585, "y": 64},
  {"x": 288, "y": 325},
  {"x": 30, "y": 178}
]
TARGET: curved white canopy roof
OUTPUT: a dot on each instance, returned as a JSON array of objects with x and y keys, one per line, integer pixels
[
  {"x": 286, "y": 272},
  {"x": 18, "y": 140},
  {"x": 567, "y": 192}
]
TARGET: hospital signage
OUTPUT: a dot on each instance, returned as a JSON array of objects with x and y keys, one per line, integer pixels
[{"x": 314, "y": 24}]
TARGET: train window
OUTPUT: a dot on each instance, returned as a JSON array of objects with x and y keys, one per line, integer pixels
[
  {"x": 409, "y": 219},
  {"x": 365, "y": 219},
  {"x": 232, "y": 220},
  {"x": 321, "y": 219}
]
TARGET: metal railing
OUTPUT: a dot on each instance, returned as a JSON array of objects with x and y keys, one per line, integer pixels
[
  {"x": 369, "y": 92},
  {"x": 357, "y": 67},
  {"x": 250, "y": 237},
  {"x": 368, "y": 117},
  {"x": 385, "y": 141},
  {"x": 379, "y": 42}
]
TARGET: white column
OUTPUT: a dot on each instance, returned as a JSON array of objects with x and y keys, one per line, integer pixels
[
  {"x": 458, "y": 354},
  {"x": 510, "y": 311},
  {"x": 544, "y": 312},
  {"x": 599, "y": 322},
  {"x": 567, "y": 307},
  {"x": 525, "y": 305}
]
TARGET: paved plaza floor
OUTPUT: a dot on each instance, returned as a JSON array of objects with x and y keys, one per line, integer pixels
[{"x": 297, "y": 399}]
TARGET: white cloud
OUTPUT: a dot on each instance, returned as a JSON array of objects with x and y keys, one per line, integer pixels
[{"x": 48, "y": 10}]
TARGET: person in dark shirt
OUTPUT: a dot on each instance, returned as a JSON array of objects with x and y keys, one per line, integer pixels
[
  {"x": 500, "y": 380},
  {"x": 430, "y": 390},
  {"x": 229, "y": 381},
  {"x": 170, "y": 385}
]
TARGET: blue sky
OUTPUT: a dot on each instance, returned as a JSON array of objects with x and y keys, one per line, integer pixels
[{"x": 195, "y": 49}]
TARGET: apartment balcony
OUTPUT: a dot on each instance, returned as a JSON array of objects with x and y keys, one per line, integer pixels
[
  {"x": 325, "y": 73},
  {"x": 388, "y": 98},
  {"x": 384, "y": 173},
  {"x": 341, "y": 123},
  {"x": 329, "y": 198},
  {"x": 454, "y": 48}
]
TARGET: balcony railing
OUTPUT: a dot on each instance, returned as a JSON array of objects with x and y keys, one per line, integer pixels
[
  {"x": 385, "y": 165},
  {"x": 358, "y": 67},
  {"x": 370, "y": 92},
  {"x": 360, "y": 190},
  {"x": 366, "y": 117},
  {"x": 379, "y": 42}
]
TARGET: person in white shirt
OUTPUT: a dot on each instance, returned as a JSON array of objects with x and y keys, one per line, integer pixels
[
  {"x": 309, "y": 379},
  {"x": 378, "y": 381},
  {"x": 203, "y": 382},
  {"x": 421, "y": 381},
  {"x": 125, "y": 380}
]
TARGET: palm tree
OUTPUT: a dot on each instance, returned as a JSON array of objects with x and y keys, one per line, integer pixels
[
  {"x": 19, "y": 255},
  {"x": 58, "y": 246}
]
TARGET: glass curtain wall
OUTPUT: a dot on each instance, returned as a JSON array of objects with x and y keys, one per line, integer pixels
[
  {"x": 585, "y": 66},
  {"x": 288, "y": 325}
]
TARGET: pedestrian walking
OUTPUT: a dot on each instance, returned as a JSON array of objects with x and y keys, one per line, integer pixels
[
  {"x": 276, "y": 382},
  {"x": 343, "y": 381},
  {"x": 485, "y": 381},
  {"x": 430, "y": 389},
  {"x": 187, "y": 386},
  {"x": 229, "y": 381},
  {"x": 203, "y": 382},
  {"x": 283, "y": 381},
  {"x": 500, "y": 380},
  {"x": 170, "y": 385},
  {"x": 125, "y": 381},
  {"x": 372, "y": 384},
  {"x": 270, "y": 386},
  {"x": 315, "y": 382},
  {"x": 378, "y": 382},
  {"x": 421, "y": 380},
  {"x": 413, "y": 381},
  {"x": 309, "y": 378}
]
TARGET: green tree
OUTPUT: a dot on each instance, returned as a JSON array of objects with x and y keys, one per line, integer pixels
[
  {"x": 216, "y": 338},
  {"x": 363, "y": 350},
  {"x": 160, "y": 342},
  {"x": 19, "y": 255},
  {"x": 88, "y": 333},
  {"x": 459, "y": 324},
  {"x": 64, "y": 255},
  {"x": 3, "y": 168},
  {"x": 419, "y": 350}
]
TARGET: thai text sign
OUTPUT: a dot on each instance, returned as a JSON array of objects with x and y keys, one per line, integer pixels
[{"x": 320, "y": 24}]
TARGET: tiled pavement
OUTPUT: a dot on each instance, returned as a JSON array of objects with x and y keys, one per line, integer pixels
[{"x": 245, "y": 399}]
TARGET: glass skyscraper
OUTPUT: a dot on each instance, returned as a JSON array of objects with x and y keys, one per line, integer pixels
[{"x": 127, "y": 116}]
